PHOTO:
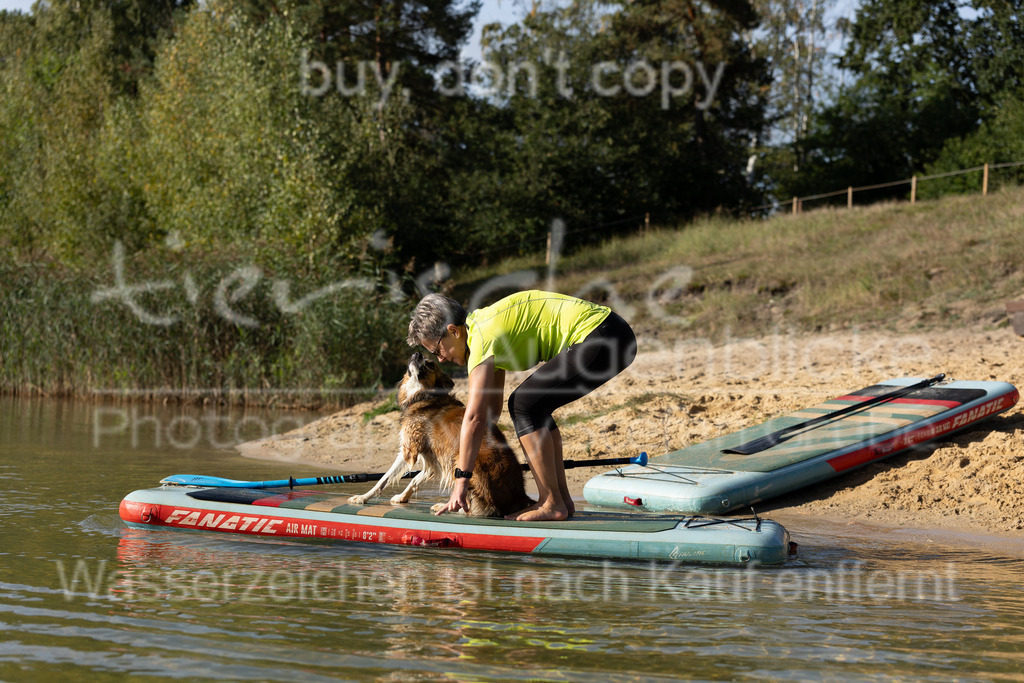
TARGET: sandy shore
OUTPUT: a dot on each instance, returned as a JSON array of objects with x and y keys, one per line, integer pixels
[{"x": 680, "y": 393}]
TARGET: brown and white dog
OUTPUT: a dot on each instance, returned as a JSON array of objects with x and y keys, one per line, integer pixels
[{"x": 431, "y": 422}]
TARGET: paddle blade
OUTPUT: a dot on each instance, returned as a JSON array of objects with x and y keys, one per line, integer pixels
[
  {"x": 204, "y": 480},
  {"x": 290, "y": 482},
  {"x": 756, "y": 446}
]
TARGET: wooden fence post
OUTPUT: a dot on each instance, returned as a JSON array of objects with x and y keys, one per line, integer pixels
[
  {"x": 796, "y": 205},
  {"x": 913, "y": 189},
  {"x": 984, "y": 181},
  {"x": 849, "y": 197}
]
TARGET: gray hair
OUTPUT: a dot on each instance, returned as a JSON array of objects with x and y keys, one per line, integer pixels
[{"x": 433, "y": 314}]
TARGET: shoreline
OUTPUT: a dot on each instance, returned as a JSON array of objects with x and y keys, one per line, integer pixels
[
  {"x": 969, "y": 484},
  {"x": 799, "y": 523}
]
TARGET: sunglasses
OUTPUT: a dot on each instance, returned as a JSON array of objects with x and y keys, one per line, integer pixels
[{"x": 439, "y": 339}]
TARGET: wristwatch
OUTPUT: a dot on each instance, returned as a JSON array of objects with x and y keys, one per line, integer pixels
[{"x": 463, "y": 474}]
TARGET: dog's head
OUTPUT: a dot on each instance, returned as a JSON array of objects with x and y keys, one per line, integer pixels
[{"x": 423, "y": 377}]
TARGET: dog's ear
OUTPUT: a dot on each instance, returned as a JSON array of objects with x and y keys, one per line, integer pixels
[{"x": 447, "y": 382}]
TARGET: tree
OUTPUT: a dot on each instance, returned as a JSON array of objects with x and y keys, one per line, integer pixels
[
  {"x": 389, "y": 50},
  {"x": 17, "y": 132},
  {"x": 999, "y": 139},
  {"x": 71, "y": 80},
  {"x": 397, "y": 42},
  {"x": 793, "y": 38},
  {"x": 926, "y": 73},
  {"x": 235, "y": 152},
  {"x": 136, "y": 30},
  {"x": 608, "y": 112}
]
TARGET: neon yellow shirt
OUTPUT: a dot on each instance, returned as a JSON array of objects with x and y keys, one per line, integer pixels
[{"x": 525, "y": 328}]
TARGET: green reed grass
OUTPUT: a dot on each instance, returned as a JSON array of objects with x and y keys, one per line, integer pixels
[{"x": 56, "y": 339}]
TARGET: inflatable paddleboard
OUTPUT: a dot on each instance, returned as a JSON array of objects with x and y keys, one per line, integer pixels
[
  {"x": 708, "y": 479},
  {"x": 316, "y": 515}
]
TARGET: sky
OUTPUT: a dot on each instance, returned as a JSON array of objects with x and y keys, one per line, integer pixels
[{"x": 22, "y": 5}]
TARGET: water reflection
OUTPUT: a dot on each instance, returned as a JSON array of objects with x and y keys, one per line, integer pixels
[
  {"x": 431, "y": 606},
  {"x": 82, "y": 596}
]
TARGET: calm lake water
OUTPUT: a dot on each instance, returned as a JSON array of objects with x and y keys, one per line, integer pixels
[{"x": 82, "y": 597}]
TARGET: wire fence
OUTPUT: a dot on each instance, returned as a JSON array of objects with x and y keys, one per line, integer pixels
[
  {"x": 643, "y": 221},
  {"x": 984, "y": 169}
]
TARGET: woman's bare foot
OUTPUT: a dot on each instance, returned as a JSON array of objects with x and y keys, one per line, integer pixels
[
  {"x": 541, "y": 513},
  {"x": 549, "y": 474}
]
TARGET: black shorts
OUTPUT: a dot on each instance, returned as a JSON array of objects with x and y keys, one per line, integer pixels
[{"x": 573, "y": 373}]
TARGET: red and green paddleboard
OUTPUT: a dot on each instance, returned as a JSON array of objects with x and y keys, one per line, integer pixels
[
  {"x": 802, "y": 448},
  {"x": 285, "y": 513}
]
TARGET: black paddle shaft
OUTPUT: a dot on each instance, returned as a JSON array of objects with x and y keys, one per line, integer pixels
[
  {"x": 769, "y": 440},
  {"x": 569, "y": 464}
]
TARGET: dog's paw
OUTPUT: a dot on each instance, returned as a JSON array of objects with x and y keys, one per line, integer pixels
[
  {"x": 399, "y": 499},
  {"x": 358, "y": 500}
]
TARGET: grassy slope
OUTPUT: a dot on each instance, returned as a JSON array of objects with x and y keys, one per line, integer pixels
[{"x": 943, "y": 263}]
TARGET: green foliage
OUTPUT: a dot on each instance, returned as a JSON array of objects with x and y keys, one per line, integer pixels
[
  {"x": 927, "y": 73},
  {"x": 222, "y": 157},
  {"x": 134, "y": 32},
  {"x": 235, "y": 151},
  {"x": 410, "y": 37},
  {"x": 564, "y": 135},
  {"x": 48, "y": 116},
  {"x": 389, "y": 405},
  {"x": 196, "y": 139},
  {"x": 224, "y": 145},
  {"x": 69, "y": 133},
  {"x": 999, "y": 140}
]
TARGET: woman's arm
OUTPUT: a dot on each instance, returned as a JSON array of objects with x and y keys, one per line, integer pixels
[
  {"x": 484, "y": 404},
  {"x": 479, "y": 405},
  {"x": 496, "y": 394}
]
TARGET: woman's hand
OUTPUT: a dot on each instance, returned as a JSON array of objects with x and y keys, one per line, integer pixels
[{"x": 459, "y": 499}]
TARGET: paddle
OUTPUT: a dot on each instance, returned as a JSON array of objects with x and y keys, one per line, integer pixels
[
  {"x": 769, "y": 440},
  {"x": 291, "y": 482}
]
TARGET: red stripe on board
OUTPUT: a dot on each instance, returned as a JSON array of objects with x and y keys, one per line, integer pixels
[
  {"x": 275, "y": 525},
  {"x": 862, "y": 456},
  {"x": 912, "y": 401}
]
